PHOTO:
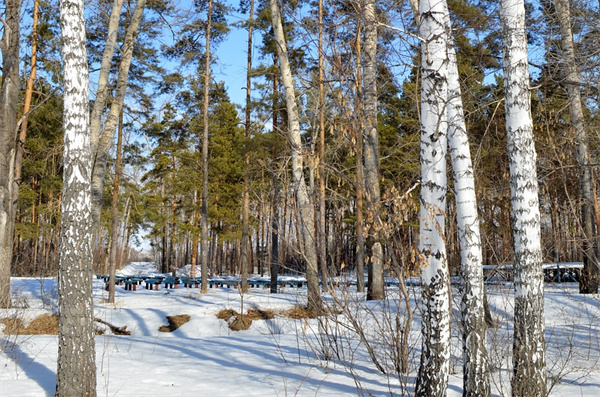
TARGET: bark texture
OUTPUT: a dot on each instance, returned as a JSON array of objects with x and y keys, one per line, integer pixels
[
  {"x": 529, "y": 372},
  {"x": 204, "y": 208},
  {"x": 360, "y": 175},
  {"x": 434, "y": 368},
  {"x": 9, "y": 100},
  {"x": 304, "y": 200},
  {"x": 114, "y": 239},
  {"x": 375, "y": 290},
  {"x": 76, "y": 368},
  {"x": 476, "y": 380},
  {"x": 591, "y": 277}
]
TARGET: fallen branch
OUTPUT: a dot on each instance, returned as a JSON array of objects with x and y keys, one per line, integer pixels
[{"x": 115, "y": 330}]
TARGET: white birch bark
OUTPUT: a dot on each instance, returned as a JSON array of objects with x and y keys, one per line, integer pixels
[
  {"x": 304, "y": 199},
  {"x": 76, "y": 368},
  {"x": 529, "y": 372},
  {"x": 476, "y": 380},
  {"x": 432, "y": 379}
]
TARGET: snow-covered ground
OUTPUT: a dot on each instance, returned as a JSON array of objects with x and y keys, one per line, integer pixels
[{"x": 281, "y": 356}]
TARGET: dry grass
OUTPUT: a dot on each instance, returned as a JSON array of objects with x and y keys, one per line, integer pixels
[
  {"x": 240, "y": 323},
  {"x": 259, "y": 314},
  {"x": 226, "y": 314},
  {"x": 174, "y": 322},
  {"x": 298, "y": 313},
  {"x": 44, "y": 324}
]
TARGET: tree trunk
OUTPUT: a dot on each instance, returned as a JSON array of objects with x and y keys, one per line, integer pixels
[
  {"x": 102, "y": 144},
  {"x": 322, "y": 245},
  {"x": 305, "y": 201},
  {"x": 126, "y": 233},
  {"x": 375, "y": 290},
  {"x": 28, "y": 93},
  {"x": 275, "y": 235},
  {"x": 476, "y": 380},
  {"x": 529, "y": 363},
  {"x": 246, "y": 194},
  {"x": 204, "y": 210},
  {"x": 360, "y": 178},
  {"x": 102, "y": 93},
  {"x": 76, "y": 367},
  {"x": 195, "y": 219},
  {"x": 434, "y": 369},
  {"x": 591, "y": 273},
  {"x": 9, "y": 101},
  {"x": 114, "y": 246}
]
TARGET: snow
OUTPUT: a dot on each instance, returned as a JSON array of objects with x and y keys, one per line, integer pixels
[{"x": 277, "y": 357}]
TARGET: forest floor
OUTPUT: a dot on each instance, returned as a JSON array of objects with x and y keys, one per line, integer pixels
[{"x": 284, "y": 354}]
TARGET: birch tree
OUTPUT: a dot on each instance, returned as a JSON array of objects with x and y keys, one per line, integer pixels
[
  {"x": 304, "y": 200},
  {"x": 591, "y": 276},
  {"x": 76, "y": 367},
  {"x": 529, "y": 371},
  {"x": 432, "y": 379},
  {"x": 476, "y": 380},
  {"x": 102, "y": 140},
  {"x": 102, "y": 93}
]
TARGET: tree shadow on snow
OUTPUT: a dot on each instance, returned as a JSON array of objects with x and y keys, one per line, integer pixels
[{"x": 42, "y": 375}]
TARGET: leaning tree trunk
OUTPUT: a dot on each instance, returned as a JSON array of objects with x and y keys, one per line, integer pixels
[
  {"x": 434, "y": 369},
  {"x": 9, "y": 101},
  {"x": 102, "y": 93},
  {"x": 375, "y": 290},
  {"x": 591, "y": 272},
  {"x": 476, "y": 379},
  {"x": 529, "y": 372},
  {"x": 76, "y": 370},
  {"x": 28, "y": 94},
  {"x": 304, "y": 199},
  {"x": 104, "y": 142}
]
